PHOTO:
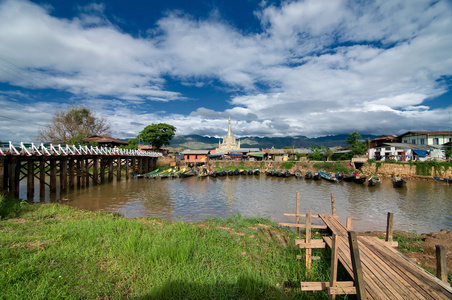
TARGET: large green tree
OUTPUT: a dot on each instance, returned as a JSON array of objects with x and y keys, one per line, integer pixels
[
  {"x": 157, "y": 135},
  {"x": 73, "y": 125},
  {"x": 357, "y": 147}
]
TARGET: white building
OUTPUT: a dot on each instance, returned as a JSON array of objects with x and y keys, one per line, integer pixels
[
  {"x": 435, "y": 138},
  {"x": 229, "y": 142}
]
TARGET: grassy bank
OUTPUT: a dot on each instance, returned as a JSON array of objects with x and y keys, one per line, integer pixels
[{"x": 56, "y": 251}]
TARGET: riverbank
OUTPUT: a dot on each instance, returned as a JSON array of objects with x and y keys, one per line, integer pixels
[{"x": 56, "y": 251}]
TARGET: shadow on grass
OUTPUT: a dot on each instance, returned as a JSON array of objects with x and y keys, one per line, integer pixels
[{"x": 244, "y": 288}]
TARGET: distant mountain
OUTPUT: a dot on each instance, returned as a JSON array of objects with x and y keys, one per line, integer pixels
[{"x": 197, "y": 142}]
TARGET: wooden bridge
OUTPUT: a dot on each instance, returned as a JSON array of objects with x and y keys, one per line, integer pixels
[
  {"x": 378, "y": 270},
  {"x": 71, "y": 166}
]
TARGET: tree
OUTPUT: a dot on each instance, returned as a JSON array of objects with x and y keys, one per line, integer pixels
[
  {"x": 356, "y": 146},
  {"x": 73, "y": 125},
  {"x": 157, "y": 135},
  {"x": 131, "y": 144},
  {"x": 317, "y": 154}
]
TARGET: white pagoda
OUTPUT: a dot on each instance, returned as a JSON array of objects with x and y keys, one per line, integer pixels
[{"x": 229, "y": 142}]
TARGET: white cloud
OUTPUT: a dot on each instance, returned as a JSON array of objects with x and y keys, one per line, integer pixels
[{"x": 318, "y": 67}]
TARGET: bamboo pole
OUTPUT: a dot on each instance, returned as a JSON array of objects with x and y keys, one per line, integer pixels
[{"x": 333, "y": 205}]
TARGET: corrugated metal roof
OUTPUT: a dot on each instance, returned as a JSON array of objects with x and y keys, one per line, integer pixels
[{"x": 104, "y": 139}]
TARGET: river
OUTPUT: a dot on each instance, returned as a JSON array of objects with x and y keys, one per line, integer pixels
[{"x": 421, "y": 206}]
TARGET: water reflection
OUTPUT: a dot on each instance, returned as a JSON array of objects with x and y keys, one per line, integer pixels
[{"x": 422, "y": 206}]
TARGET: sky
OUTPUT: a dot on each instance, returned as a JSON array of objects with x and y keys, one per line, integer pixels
[{"x": 276, "y": 68}]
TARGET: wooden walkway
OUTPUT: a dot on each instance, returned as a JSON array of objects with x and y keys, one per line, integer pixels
[{"x": 387, "y": 273}]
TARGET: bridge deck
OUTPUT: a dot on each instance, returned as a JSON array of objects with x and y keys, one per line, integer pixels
[{"x": 387, "y": 273}]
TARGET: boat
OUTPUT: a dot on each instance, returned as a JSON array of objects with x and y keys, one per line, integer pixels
[
  {"x": 329, "y": 177},
  {"x": 443, "y": 179},
  {"x": 398, "y": 181},
  {"x": 187, "y": 173},
  {"x": 308, "y": 175},
  {"x": 236, "y": 172},
  {"x": 316, "y": 176},
  {"x": 250, "y": 172},
  {"x": 348, "y": 177},
  {"x": 147, "y": 175},
  {"x": 360, "y": 179},
  {"x": 298, "y": 174},
  {"x": 243, "y": 172},
  {"x": 257, "y": 172},
  {"x": 222, "y": 173},
  {"x": 373, "y": 180}
]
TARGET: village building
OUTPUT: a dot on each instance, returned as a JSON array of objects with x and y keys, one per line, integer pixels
[
  {"x": 229, "y": 143},
  {"x": 196, "y": 156},
  {"x": 434, "y": 138}
]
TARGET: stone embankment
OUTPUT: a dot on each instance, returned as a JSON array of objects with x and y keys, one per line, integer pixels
[{"x": 383, "y": 169}]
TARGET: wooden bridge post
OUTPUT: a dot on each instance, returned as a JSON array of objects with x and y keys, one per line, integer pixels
[
  {"x": 127, "y": 167},
  {"x": 441, "y": 263},
  {"x": 356, "y": 264},
  {"x": 52, "y": 175},
  {"x": 42, "y": 179},
  {"x": 79, "y": 173},
  {"x": 71, "y": 173},
  {"x": 102, "y": 170},
  {"x": 82, "y": 173},
  {"x": 95, "y": 170},
  {"x": 87, "y": 174},
  {"x": 118, "y": 168},
  {"x": 348, "y": 223},
  {"x": 63, "y": 175},
  {"x": 389, "y": 226},
  {"x": 110, "y": 170},
  {"x": 30, "y": 180}
]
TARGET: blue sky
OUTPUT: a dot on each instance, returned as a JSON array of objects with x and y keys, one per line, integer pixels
[{"x": 277, "y": 68}]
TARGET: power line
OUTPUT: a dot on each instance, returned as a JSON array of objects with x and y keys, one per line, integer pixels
[
  {"x": 28, "y": 122},
  {"x": 21, "y": 73}
]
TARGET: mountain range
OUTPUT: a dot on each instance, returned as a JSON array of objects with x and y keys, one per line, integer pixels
[{"x": 197, "y": 142}]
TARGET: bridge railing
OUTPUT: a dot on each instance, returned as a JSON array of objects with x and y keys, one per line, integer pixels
[{"x": 24, "y": 149}]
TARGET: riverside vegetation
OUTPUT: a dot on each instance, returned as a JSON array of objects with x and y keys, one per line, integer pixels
[{"x": 57, "y": 251}]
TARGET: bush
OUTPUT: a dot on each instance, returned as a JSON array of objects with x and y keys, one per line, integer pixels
[{"x": 10, "y": 207}]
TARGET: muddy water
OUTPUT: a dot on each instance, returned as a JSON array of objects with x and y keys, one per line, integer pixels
[{"x": 422, "y": 206}]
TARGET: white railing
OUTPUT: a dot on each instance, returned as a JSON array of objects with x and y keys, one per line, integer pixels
[{"x": 64, "y": 150}]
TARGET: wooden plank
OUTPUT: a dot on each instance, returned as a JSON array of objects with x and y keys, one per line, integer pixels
[
  {"x": 389, "y": 226},
  {"x": 302, "y": 225},
  {"x": 316, "y": 244},
  {"x": 342, "y": 290},
  {"x": 300, "y": 215},
  {"x": 441, "y": 263},
  {"x": 322, "y": 286},
  {"x": 424, "y": 283},
  {"x": 356, "y": 264},
  {"x": 334, "y": 262}
]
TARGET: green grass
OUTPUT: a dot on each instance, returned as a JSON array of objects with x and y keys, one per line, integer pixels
[
  {"x": 55, "y": 251},
  {"x": 408, "y": 242}
]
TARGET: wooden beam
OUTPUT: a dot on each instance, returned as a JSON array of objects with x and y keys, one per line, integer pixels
[
  {"x": 300, "y": 215},
  {"x": 297, "y": 218},
  {"x": 302, "y": 225},
  {"x": 389, "y": 227},
  {"x": 333, "y": 204},
  {"x": 333, "y": 273},
  {"x": 316, "y": 244},
  {"x": 441, "y": 263},
  {"x": 356, "y": 264},
  {"x": 322, "y": 286}
]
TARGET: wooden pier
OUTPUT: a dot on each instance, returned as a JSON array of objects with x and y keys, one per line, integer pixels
[
  {"x": 378, "y": 270},
  {"x": 58, "y": 168}
]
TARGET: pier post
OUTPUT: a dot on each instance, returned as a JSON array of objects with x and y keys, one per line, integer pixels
[
  {"x": 79, "y": 173},
  {"x": 30, "y": 180},
  {"x": 441, "y": 263},
  {"x": 308, "y": 240},
  {"x": 82, "y": 173},
  {"x": 297, "y": 218},
  {"x": 127, "y": 168},
  {"x": 118, "y": 168},
  {"x": 110, "y": 170},
  {"x": 348, "y": 225},
  {"x": 87, "y": 175},
  {"x": 42, "y": 179},
  {"x": 52, "y": 175},
  {"x": 334, "y": 259},
  {"x": 389, "y": 226},
  {"x": 71, "y": 173},
  {"x": 333, "y": 205},
  {"x": 96, "y": 171},
  {"x": 63, "y": 175}
]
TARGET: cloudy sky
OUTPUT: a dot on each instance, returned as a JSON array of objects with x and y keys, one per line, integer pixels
[{"x": 277, "y": 68}]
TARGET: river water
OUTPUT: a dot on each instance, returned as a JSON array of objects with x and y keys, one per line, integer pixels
[{"x": 421, "y": 206}]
